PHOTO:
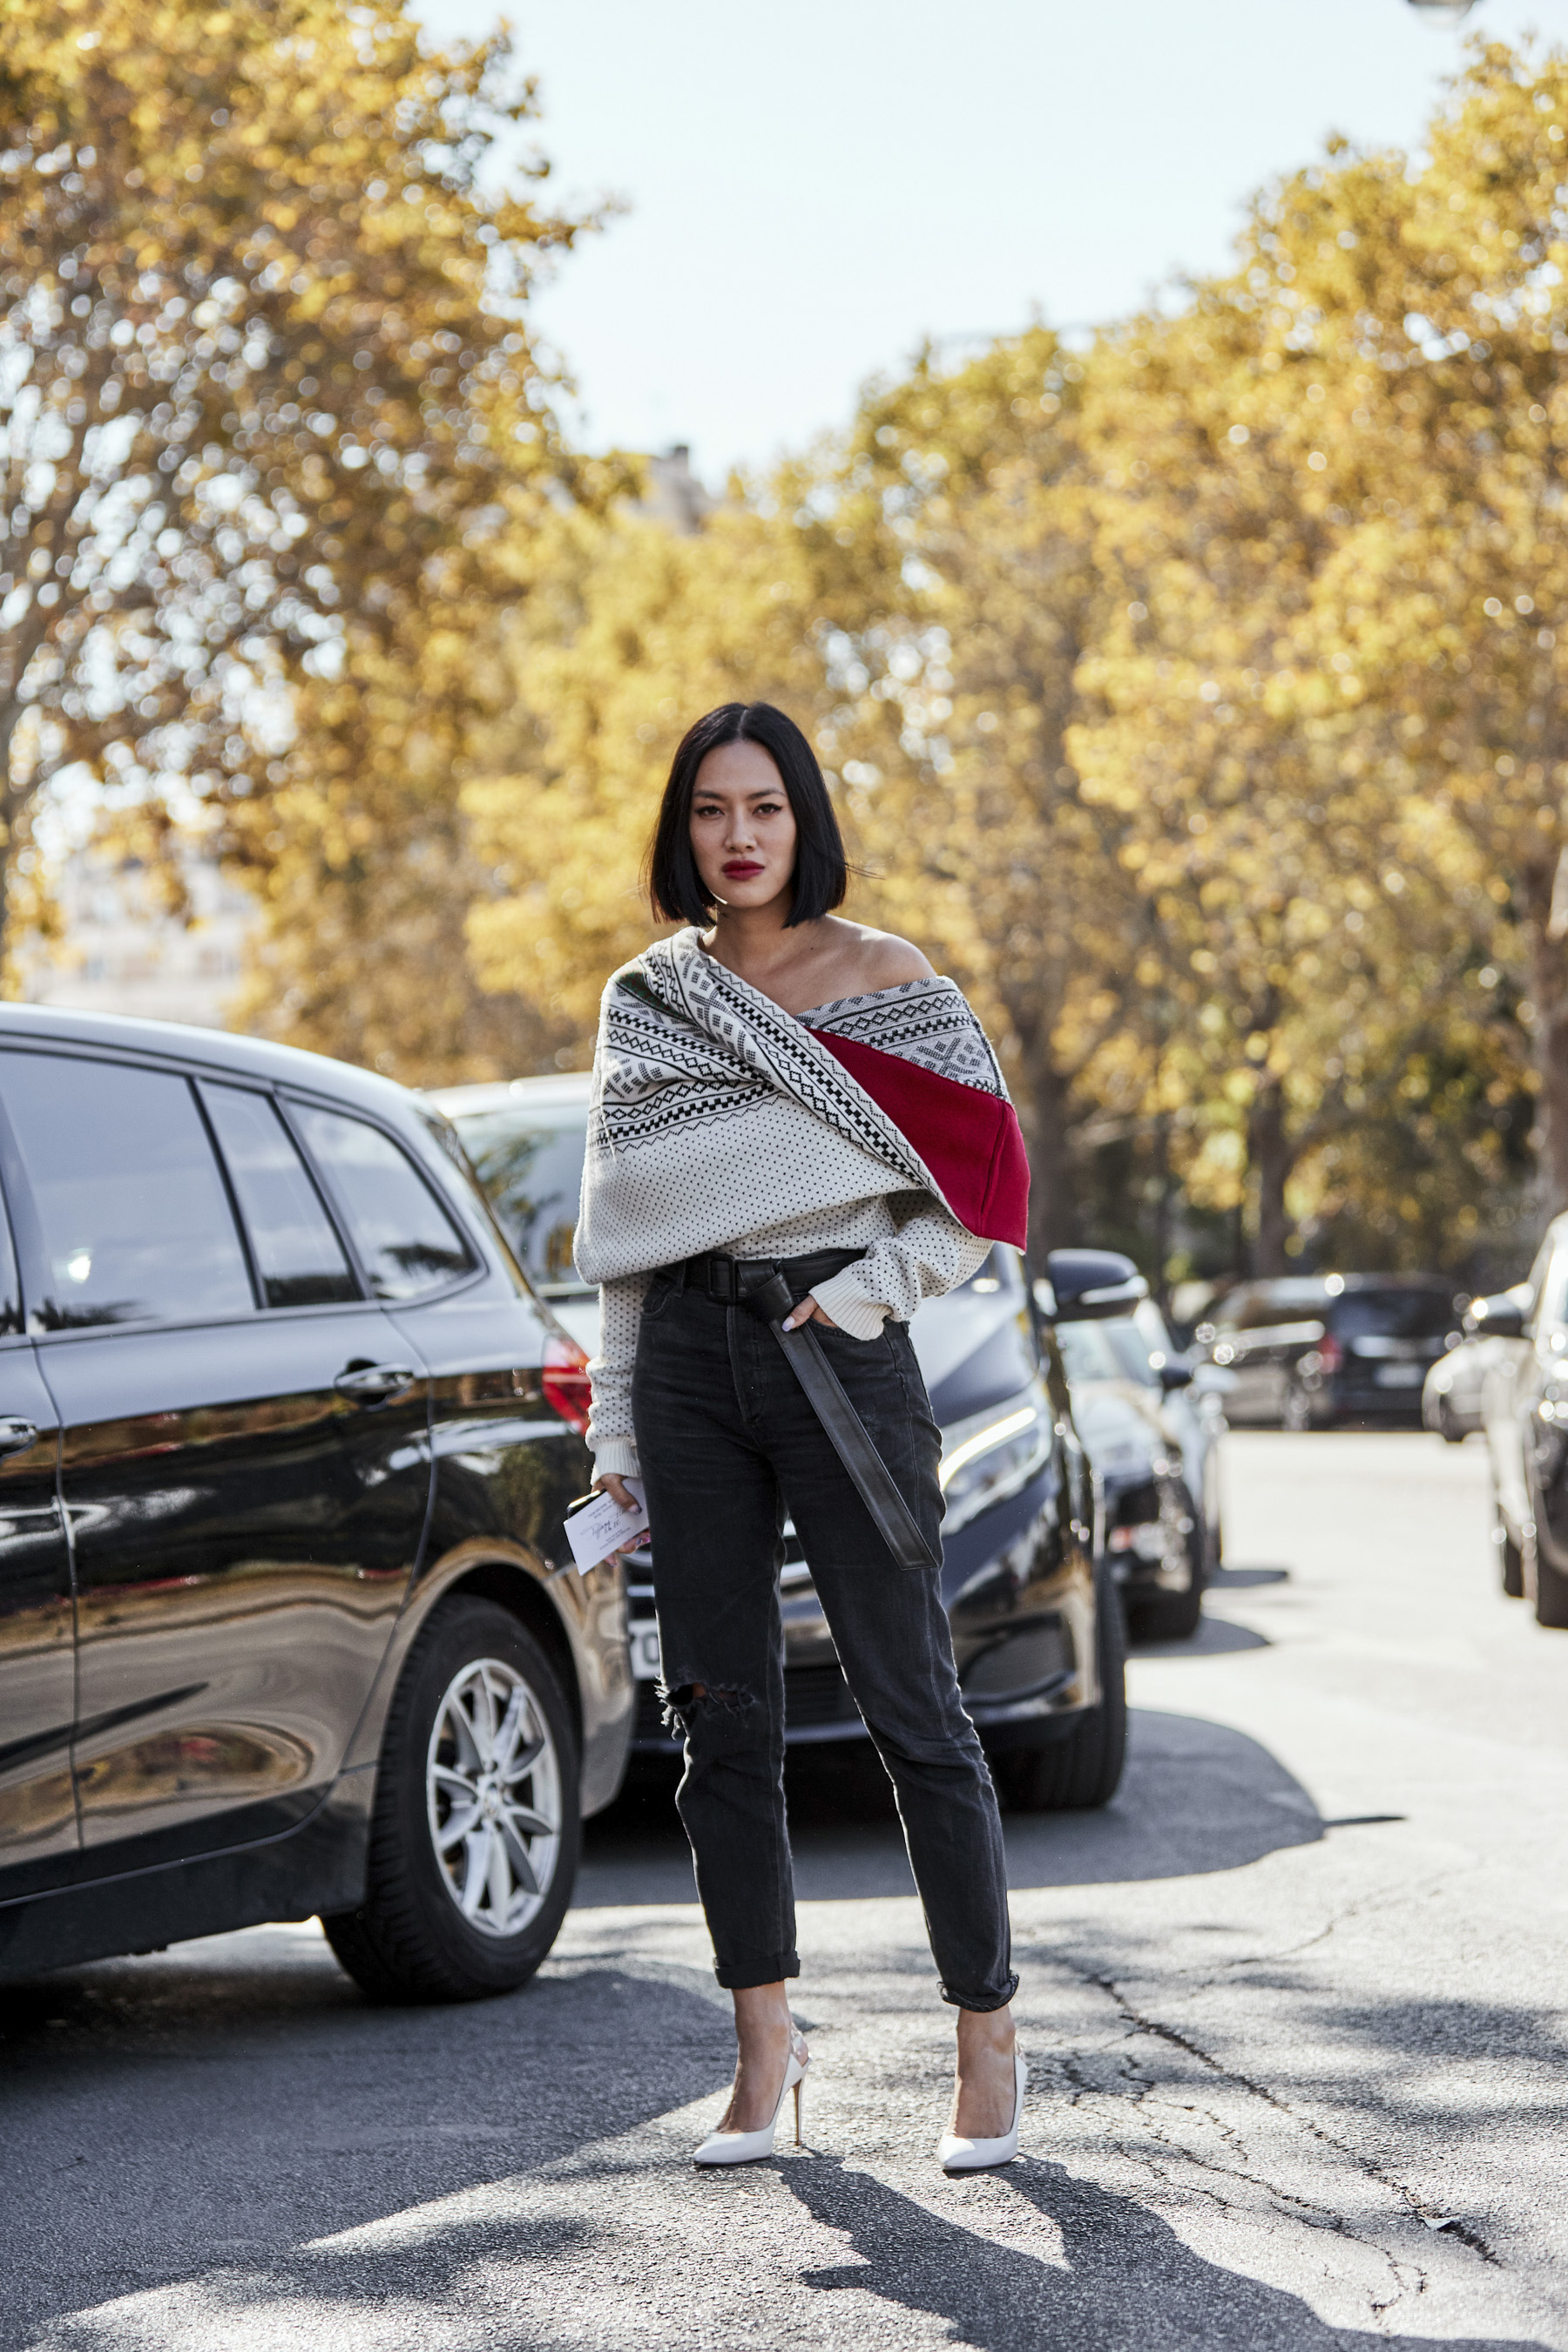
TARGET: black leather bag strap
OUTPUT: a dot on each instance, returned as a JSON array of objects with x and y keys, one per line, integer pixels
[{"x": 846, "y": 1433}]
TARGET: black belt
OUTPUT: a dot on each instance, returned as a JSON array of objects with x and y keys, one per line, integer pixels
[{"x": 770, "y": 1288}]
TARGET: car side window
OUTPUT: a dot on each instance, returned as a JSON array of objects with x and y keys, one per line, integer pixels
[
  {"x": 406, "y": 1242},
  {"x": 10, "y": 1286},
  {"x": 299, "y": 1256},
  {"x": 136, "y": 1221}
]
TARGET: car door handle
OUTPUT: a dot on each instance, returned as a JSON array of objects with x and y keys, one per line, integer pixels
[
  {"x": 373, "y": 1383},
  {"x": 15, "y": 1436}
]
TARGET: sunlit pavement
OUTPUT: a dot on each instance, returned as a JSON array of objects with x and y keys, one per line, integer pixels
[{"x": 1294, "y": 2007}]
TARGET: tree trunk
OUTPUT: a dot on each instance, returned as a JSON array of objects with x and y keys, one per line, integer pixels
[
  {"x": 1268, "y": 1150},
  {"x": 1546, "y": 928},
  {"x": 1053, "y": 1193},
  {"x": 1162, "y": 1199}
]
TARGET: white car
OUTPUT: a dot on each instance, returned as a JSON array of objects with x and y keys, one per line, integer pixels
[{"x": 1453, "y": 1399}]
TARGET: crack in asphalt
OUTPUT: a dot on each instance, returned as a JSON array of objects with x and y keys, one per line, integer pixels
[
  {"x": 1289, "y": 2202},
  {"x": 1419, "y": 2209}
]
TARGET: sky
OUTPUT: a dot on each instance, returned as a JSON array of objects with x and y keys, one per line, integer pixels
[{"x": 811, "y": 190}]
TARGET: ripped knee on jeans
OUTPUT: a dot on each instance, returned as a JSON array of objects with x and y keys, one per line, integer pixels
[{"x": 687, "y": 1701}]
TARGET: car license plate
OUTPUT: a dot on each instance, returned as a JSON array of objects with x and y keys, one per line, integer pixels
[
  {"x": 644, "y": 1637},
  {"x": 1400, "y": 1376}
]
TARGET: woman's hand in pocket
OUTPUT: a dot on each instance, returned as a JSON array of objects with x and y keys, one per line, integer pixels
[{"x": 808, "y": 1312}]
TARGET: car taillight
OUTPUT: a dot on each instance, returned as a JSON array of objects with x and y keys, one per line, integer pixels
[
  {"x": 1331, "y": 1355},
  {"x": 564, "y": 1380}
]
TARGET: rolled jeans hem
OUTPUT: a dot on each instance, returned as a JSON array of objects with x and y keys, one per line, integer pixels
[
  {"x": 981, "y": 2002},
  {"x": 744, "y": 1975}
]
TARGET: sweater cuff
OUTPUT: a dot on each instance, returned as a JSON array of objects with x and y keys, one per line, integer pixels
[
  {"x": 849, "y": 1307},
  {"x": 615, "y": 1457}
]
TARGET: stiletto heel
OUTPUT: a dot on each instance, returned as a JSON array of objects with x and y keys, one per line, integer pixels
[
  {"x": 956, "y": 2155},
  {"x": 745, "y": 2147}
]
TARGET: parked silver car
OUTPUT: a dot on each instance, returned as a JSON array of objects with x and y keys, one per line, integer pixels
[
  {"x": 1152, "y": 1430},
  {"x": 1453, "y": 1398}
]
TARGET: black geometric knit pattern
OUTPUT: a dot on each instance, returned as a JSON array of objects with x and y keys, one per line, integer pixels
[{"x": 924, "y": 1021}]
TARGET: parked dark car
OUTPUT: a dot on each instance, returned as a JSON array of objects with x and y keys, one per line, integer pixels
[
  {"x": 1153, "y": 1438},
  {"x": 285, "y": 1447},
  {"x": 1308, "y": 1350},
  {"x": 1038, "y": 1628},
  {"x": 1526, "y": 1412}
]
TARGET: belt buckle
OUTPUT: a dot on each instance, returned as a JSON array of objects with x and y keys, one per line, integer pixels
[{"x": 727, "y": 1287}]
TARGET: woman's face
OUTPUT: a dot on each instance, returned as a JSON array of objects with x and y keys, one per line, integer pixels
[{"x": 742, "y": 827}]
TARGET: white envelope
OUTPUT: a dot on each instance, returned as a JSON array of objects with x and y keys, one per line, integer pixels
[{"x": 595, "y": 1531}]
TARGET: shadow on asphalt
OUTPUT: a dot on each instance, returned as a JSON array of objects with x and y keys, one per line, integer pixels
[
  {"x": 1217, "y": 1637},
  {"x": 1196, "y": 1796},
  {"x": 1126, "y": 2282},
  {"x": 218, "y": 2108}
]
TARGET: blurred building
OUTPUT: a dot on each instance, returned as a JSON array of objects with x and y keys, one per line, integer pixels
[
  {"x": 675, "y": 497},
  {"x": 121, "y": 952}
]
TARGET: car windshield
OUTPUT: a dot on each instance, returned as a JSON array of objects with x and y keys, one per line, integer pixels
[
  {"x": 530, "y": 1160},
  {"x": 1088, "y": 1352},
  {"x": 1391, "y": 1314},
  {"x": 1122, "y": 1347}
]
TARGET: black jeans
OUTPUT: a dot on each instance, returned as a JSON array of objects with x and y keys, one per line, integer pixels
[{"x": 726, "y": 1441}]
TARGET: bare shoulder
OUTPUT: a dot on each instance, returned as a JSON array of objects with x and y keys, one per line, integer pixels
[{"x": 884, "y": 960}]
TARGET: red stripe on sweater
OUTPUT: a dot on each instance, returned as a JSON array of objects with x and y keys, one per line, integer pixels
[{"x": 969, "y": 1140}]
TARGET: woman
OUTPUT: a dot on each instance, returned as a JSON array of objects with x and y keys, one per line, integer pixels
[{"x": 778, "y": 1088}]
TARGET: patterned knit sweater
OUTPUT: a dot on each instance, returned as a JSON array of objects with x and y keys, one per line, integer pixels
[{"x": 720, "y": 1122}]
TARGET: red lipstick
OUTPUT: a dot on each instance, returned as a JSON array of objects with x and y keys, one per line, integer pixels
[{"x": 739, "y": 869}]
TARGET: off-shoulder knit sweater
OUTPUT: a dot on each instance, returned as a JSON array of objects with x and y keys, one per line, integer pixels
[{"x": 720, "y": 1122}]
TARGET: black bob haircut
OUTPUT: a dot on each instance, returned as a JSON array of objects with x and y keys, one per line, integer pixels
[{"x": 821, "y": 872}]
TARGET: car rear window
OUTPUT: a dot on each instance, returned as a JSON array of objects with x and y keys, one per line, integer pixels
[
  {"x": 407, "y": 1244},
  {"x": 298, "y": 1256},
  {"x": 1391, "y": 1314},
  {"x": 530, "y": 1162},
  {"x": 136, "y": 1219},
  {"x": 1258, "y": 1308}
]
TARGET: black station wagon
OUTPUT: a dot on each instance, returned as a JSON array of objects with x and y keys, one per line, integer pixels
[{"x": 287, "y": 1622}]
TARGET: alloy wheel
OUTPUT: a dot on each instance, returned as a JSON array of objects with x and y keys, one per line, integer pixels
[{"x": 493, "y": 1795}]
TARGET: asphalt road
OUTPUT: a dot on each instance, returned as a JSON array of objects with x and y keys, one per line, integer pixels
[{"x": 1295, "y": 2008}]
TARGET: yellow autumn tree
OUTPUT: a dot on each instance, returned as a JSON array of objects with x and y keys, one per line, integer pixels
[
  {"x": 268, "y": 402},
  {"x": 629, "y": 631},
  {"x": 1443, "y": 618}
]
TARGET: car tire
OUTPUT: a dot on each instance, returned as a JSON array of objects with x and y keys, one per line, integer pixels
[
  {"x": 1083, "y": 1771},
  {"x": 1173, "y": 1616},
  {"x": 1510, "y": 1559},
  {"x": 1551, "y": 1593},
  {"x": 1446, "y": 1429},
  {"x": 428, "y": 1930}
]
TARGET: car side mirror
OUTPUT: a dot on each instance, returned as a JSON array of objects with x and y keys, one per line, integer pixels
[
  {"x": 1087, "y": 1285},
  {"x": 1498, "y": 1317}
]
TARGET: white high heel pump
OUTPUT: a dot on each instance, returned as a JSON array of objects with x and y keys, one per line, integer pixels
[
  {"x": 744, "y": 2148},
  {"x": 956, "y": 2155}
]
